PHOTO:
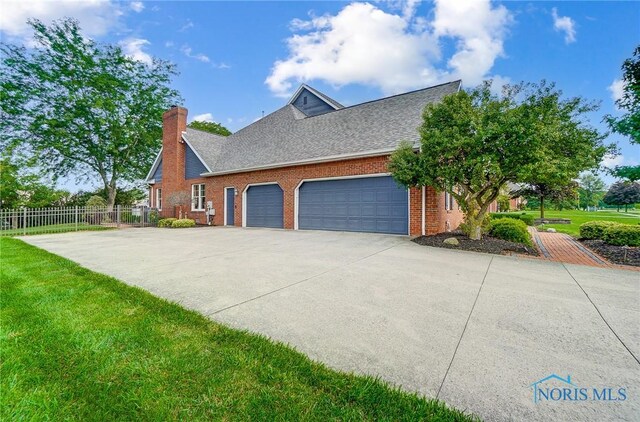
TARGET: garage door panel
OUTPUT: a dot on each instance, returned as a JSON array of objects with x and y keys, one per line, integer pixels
[
  {"x": 265, "y": 206},
  {"x": 371, "y": 204}
]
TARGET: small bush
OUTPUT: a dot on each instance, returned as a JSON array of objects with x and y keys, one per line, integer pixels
[
  {"x": 527, "y": 218},
  {"x": 153, "y": 217},
  {"x": 595, "y": 229},
  {"x": 166, "y": 222},
  {"x": 182, "y": 223},
  {"x": 622, "y": 235},
  {"x": 511, "y": 229}
]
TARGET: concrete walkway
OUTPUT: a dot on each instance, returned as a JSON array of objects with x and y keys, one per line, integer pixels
[{"x": 472, "y": 329}]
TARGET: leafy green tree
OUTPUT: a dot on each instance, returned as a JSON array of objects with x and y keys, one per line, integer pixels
[
  {"x": 73, "y": 106},
  {"x": 629, "y": 123},
  {"x": 211, "y": 127},
  {"x": 27, "y": 190},
  {"x": 560, "y": 194},
  {"x": 623, "y": 193},
  {"x": 591, "y": 190},
  {"x": 474, "y": 142}
]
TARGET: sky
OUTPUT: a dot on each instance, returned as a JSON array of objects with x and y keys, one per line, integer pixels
[{"x": 238, "y": 60}]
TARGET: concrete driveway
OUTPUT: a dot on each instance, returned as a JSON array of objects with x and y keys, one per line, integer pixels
[{"x": 474, "y": 330}]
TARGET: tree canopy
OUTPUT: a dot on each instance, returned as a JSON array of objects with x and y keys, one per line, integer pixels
[
  {"x": 18, "y": 189},
  {"x": 211, "y": 127},
  {"x": 591, "y": 190},
  {"x": 629, "y": 123},
  {"x": 474, "y": 141},
  {"x": 622, "y": 193},
  {"x": 73, "y": 106}
]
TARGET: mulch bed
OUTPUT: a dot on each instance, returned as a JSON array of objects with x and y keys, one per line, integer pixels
[
  {"x": 615, "y": 254},
  {"x": 488, "y": 244}
]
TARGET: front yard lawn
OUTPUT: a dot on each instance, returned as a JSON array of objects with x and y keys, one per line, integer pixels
[
  {"x": 77, "y": 345},
  {"x": 578, "y": 217},
  {"x": 53, "y": 228}
]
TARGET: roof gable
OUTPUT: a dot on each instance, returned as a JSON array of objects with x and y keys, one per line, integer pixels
[{"x": 312, "y": 102}]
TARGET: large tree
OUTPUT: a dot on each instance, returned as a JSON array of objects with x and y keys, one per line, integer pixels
[
  {"x": 622, "y": 193},
  {"x": 473, "y": 142},
  {"x": 628, "y": 124},
  {"x": 20, "y": 189},
  {"x": 591, "y": 190},
  {"x": 73, "y": 106},
  {"x": 559, "y": 194},
  {"x": 211, "y": 127}
]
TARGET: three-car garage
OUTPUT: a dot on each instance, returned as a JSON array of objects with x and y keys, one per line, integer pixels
[{"x": 375, "y": 204}]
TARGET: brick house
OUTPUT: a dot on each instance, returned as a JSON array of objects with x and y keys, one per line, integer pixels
[{"x": 312, "y": 164}]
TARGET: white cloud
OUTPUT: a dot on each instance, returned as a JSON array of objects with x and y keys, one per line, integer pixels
[
  {"x": 393, "y": 51},
  {"x": 188, "y": 51},
  {"x": 132, "y": 47},
  {"x": 96, "y": 17},
  {"x": 188, "y": 25},
  {"x": 616, "y": 89},
  {"x": 137, "y": 6},
  {"x": 612, "y": 161},
  {"x": 564, "y": 24},
  {"x": 205, "y": 117}
]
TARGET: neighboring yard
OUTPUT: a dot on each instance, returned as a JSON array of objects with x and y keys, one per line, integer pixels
[
  {"x": 578, "y": 217},
  {"x": 80, "y": 345}
]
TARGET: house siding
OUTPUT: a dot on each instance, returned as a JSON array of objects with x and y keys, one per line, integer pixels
[
  {"x": 157, "y": 175},
  {"x": 193, "y": 167}
]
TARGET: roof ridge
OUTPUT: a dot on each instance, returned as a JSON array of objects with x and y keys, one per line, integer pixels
[{"x": 395, "y": 95}]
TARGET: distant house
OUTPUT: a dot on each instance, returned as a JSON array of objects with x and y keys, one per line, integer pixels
[{"x": 312, "y": 164}]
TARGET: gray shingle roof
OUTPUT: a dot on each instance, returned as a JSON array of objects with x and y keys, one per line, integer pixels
[{"x": 286, "y": 136}]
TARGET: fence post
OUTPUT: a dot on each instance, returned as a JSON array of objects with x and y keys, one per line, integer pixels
[
  {"x": 118, "y": 216},
  {"x": 24, "y": 222},
  {"x": 76, "y": 218}
]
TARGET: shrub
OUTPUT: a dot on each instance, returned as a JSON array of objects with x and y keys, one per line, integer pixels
[
  {"x": 182, "y": 223},
  {"x": 153, "y": 216},
  {"x": 622, "y": 234},
  {"x": 527, "y": 218},
  {"x": 595, "y": 229},
  {"x": 511, "y": 229},
  {"x": 166, "y": 222},
  {"x": 96, "y": 202}
]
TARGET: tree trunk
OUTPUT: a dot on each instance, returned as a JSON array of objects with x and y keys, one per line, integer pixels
[
  {"x": 625, "y": 208},
  {"x": 111, "y": 199},
  {"x": 474, "y": 224},
  {"x": 541, "y": 206}
]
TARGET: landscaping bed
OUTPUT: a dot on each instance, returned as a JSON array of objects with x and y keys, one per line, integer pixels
[
  {"x": 613, "y": 253},
  {"x": 488, "y": 244}
]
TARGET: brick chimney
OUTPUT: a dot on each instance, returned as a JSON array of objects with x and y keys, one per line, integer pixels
[{"x": 174, "y": 122}]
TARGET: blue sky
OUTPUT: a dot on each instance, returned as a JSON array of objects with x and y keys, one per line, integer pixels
[{"x": 238, "y": 59}]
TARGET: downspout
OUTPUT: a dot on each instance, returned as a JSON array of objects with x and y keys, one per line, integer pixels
[{"x": 424, "y": 232}]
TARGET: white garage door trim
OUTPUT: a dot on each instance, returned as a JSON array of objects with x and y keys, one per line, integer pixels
[
  {"x": 296, "y": 197},
  {"x": 244, "y": 198}
]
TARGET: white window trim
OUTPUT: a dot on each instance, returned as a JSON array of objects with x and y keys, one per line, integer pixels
[
  {"x": 193, "y": 201},
  {"x": 244, "y": 199},
  {"x": 225, "y": 203},
  {"x": 159, "y": 199},
  {"x": 296, "y": 196}
]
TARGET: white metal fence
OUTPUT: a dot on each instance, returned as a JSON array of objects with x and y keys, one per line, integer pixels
[{"x": 26, "y": 221}]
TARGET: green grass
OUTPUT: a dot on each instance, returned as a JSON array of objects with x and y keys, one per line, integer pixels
[
  {"x": 52, "y": 228},
  {"x": 578, "y": 217},
  {"x": 77, "y": 345}
]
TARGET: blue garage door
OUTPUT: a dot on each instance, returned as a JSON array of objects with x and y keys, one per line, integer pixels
[
  {"x": 264, "y": 206},
  {"x": 371, "y": 204}
]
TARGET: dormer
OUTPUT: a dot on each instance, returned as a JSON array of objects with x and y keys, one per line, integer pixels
[{"x": 312, "y": 102}]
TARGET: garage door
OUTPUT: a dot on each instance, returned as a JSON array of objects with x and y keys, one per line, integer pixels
[
  {"x": 371, "y": 204},
  {"x": 264, "y": 206}
]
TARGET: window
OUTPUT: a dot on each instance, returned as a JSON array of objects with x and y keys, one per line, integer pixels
[
  {"x": 197, "y": 197},
  {"x": 448, "y": 201},
  {"x": 304, "y": 100},
  {"x": 159, "y": 199}
]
